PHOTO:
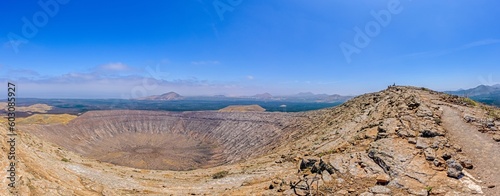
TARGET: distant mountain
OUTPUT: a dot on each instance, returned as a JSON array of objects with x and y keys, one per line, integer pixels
[
  {"x": 300, "y": 97},
  {"x": 263, "y": 96},
  {"x": 304, "y": 94},
  {"x": 166, "y": 97},
  {"x": 482, "y": 93},
  {"x": 481, "y": 90},
  {"x": 311, "y": 97},
  {"x": 304, "y": 97},
  {"x": 337, "y": 98}
]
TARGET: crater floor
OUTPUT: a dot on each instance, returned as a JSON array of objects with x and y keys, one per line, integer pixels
[{"x": 169, "y": 140}]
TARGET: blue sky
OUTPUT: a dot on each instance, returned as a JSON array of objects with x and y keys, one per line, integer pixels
[{"x": 126, "y": 49}]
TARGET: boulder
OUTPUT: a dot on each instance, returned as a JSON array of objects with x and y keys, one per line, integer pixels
[
  {"x": 424, "y": 111},
  {"x": 457, "y": 148},
  {"x": 446, "y": 155},
  {"x": 321, "y": 166},
  {"x": 466, "y": 164},
  {"x": 380, "y": 190},
  {"x": 308, "y": 162},
  {"x": 392, "y": 155},
  {"x": 383, "y": 179},
  {"x": 438, "y": 163},
  {"x": 469, "y": 118},
  {"x": 430, "y": 154},
  {"x": 325, "y": 166},
  {"x": 496, "y": 137},
  {"x": 418, "y": 192},
  {"x": 373, "y": 154},
  {"x": 389, "y": 125},
  {"x": 422, "y": 143},
  {"x": 454, "y": 169},
  {"x": 326, "y": 176},
  {"x": 366, "y": 194},
  {"x": 316, "y": 168},
  {"x": 412, "y": 140},
  {"x": 337, "y": 162},
  {"x": 431, "y": 133},
  {"x": 490, "y": 123}
]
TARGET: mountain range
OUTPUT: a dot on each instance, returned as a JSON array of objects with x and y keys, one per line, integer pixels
[
  {"x": 166, "y": 97},
  {"x": 483, "y": 93},
  {"x": 300, "y": 97}
]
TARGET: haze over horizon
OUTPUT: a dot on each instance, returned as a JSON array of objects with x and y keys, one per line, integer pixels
[{"x": 95, "y": 49}]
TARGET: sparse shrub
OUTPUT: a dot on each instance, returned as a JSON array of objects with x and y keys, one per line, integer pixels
[
  {"x": 220, "y": 174},
  {"x": 65, "y": 159},
  {"x": 437, "y": 120},
  {"x": 493, "y": 113},
  {"x": 469, "y": 101},
  {"x": 429, "y": 189}
]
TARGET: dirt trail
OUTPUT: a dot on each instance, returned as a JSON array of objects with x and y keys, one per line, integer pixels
[{"x": 481, "y": 149}]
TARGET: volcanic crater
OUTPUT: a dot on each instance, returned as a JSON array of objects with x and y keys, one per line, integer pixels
[{"x": 171, "y": 140}]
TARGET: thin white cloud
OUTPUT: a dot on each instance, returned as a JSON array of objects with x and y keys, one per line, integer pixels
[
  {"x": 97, "y": 85},
  {"x": 76, "y": 77},
  {"x": 205, "y": 62},
  {"x": 115, "y": 67},
  {"x": 250, "y": 77},
  {"x": 14, "y": 74},
  {"x": 480, "y": 43},
  {"x": 453, "y": 50}
]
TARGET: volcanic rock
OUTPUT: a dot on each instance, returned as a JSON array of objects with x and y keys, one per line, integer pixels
[
  {"x": 466, "y": 163},
  {"x": 380, "y": 190},
  {"x": 454, "y": 168}
]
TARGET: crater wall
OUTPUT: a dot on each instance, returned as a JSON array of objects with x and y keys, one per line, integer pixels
[{"x": 171, "y": 140}]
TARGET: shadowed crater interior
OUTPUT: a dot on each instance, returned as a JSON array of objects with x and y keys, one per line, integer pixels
[{"x": 170, "y": 140}]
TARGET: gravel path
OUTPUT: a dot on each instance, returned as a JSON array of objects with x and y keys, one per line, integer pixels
[{"x": 481, "y": 149}]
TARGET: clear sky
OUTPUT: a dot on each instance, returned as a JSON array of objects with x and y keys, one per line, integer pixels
[{"x": 123, "y": 49}]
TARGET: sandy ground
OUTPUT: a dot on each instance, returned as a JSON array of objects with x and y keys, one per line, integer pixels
[{"x": 479, "y": 147}]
